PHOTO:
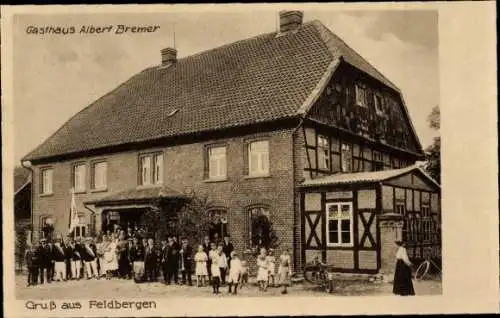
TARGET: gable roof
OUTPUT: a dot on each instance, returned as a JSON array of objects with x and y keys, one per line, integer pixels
[
  {"x": 22, "y": 177},
  {"x": 256, "y": 80},
  {"x": 366, "y": 177}
]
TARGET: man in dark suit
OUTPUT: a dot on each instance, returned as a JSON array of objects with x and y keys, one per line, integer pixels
[
  {"x": 89, "y": 256},
  {"x": 59, "y": 258},
  {"x": 227, "y": 248},
  {"x": 186, "y": 262},
  {"x": 163, "y": 260},
  {"x": 136, "y": 255},
  {"x": 206, "y": 248},
  {"x": 43, "y": 251},
  {"x": 76, "y": 256},
  {"x": 150, "y": 260},
  {"x": 68, "y": 253},
  {"x": 172, "y": 261}
]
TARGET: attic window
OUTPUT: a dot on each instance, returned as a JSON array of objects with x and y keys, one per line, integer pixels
[
  {"x": 360, "y": 95},
  {"x": 378, "y": 101},
  {"x": 172, "y": 113}
]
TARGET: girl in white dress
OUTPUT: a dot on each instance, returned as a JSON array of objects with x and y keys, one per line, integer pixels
[
  {"x": 101, "y": 247},
  {"x": 214, "y": 268},
  {"x": 201, "y": 272},
  {"x": 263, "y": 270},
  {"x": 284, "y": 270},
  {"x": 271, "y": 263}
]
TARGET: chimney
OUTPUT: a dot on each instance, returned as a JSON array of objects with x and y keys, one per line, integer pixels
[
  {"x": 290, "y": 20},
  {"x": 168, "y": 56}
]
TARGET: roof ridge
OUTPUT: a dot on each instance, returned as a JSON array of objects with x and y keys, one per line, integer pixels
[
  {"x": 322, "y": 29},
  {"x": 255, "y": 37}
]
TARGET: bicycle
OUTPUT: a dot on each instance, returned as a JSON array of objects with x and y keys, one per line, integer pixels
[
  {"x": 423, "y": 268},
  {"x": 317, "y": 273}
]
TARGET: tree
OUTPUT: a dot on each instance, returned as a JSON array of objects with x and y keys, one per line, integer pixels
[
  {"x": 189, "y": 217},
  {"x": 433, "y": 152}
]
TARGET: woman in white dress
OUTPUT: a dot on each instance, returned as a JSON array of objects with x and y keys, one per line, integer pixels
[
  {"x": 101, "y": 247},
  {"x": 110, "y": 259},
  {"x": 263, "y": 270}
]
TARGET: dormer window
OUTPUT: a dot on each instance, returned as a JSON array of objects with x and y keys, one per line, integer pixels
[{"x": 361, "y": 93}]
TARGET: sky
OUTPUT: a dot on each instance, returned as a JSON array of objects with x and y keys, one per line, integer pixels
[{"x": 55, "y": 76}]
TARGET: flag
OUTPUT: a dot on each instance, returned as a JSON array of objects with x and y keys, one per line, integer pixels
[{"x": 73, "y": 213}]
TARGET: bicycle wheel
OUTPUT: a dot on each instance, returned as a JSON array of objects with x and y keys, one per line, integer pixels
[{"x": 422, "y": 270}]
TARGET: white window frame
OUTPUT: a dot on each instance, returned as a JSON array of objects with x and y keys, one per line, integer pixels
[
  {"x": 339, "y": 224},
  {"x": 82, "y": 230},
  {"x": 157, "y": 168},
  {"x": 47, "y": 180},
  {"x": 79, "y": 177},
  {"x": 323, "y": 146},
  {"x": 217, "y": 163},
  {"x": 261, "y": 159},
  {"x": 96, "y": 183},
  {"x": 360, "y": 92},
  {"x": 343, "y": 149},
  {"x": 397, "y": 208},
  {"x": 145, "y": 170}
]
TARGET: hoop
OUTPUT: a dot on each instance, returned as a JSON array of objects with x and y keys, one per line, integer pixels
[{"x": 422, "y": 270}]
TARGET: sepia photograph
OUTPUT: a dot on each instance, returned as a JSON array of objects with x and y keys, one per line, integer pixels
[
  {"x": 271, "y": 153},
  {"x": 251, "y": 162}
]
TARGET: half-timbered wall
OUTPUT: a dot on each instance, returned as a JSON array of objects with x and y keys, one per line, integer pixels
[
  {"x": 362, "y": 254},
  {"x": 419, "y": 203},
  {"x": 340, "y": 148},
  {"x": 360, "y": 104}
]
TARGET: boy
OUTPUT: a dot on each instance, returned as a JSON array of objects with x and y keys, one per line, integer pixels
[
  {"x": 234, "y": 272},
  {"x": 244, "y": 274},
  {"x": 32, "y": 264}
]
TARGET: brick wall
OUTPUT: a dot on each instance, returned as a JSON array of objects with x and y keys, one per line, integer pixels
[{"x": 184, "y": 171}]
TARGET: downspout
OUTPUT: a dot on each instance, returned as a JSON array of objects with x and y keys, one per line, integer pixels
[
  {"x": 295, "y": 223},
  {"x": 27, "y": 165}
]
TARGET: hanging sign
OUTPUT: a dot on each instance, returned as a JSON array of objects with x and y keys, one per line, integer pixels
[{"x": 339, "y": 195}]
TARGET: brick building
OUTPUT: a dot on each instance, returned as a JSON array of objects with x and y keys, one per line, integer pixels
[{"x": 253, "y": 125}]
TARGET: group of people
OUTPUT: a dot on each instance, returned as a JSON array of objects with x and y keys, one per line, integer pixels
[{"x": 126, "y": 255}]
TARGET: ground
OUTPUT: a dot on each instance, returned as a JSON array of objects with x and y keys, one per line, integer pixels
[{"x": 107, "y": 289}]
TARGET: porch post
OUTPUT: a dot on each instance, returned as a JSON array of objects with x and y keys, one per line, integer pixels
[
  {"x": 98, "y": 220},
  {"x": 391, "y": 230}
]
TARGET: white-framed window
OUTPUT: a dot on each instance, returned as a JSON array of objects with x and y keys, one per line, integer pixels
[
  {"x": 217, "y": 165},
  {"x": 258, "y": 158},
  {"x": 339, "y": 224},
  {"x": 145, "y": 169},
  {"x": 400, "y": 208},
  {"x": 360, "y": 94},
  {"x": 80, "y": 231},
  {"x": 79, "y": 177},
  {"x": 323, "y": 153},
  {"x": 378, "y": 163},
  {"x": 100, "y": 175},
  {"x": 158, "y": 168},
  {"x": 346, "y": 154},
  {"x": 46, "y": 180},
  {"x": 151, "y": 169},
  {"x": 425, "y": 211},
  {"x": 378, "y": 102}
]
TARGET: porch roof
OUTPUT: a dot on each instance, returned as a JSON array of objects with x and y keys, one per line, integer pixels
[
  {"x": 365, "y": 177},
  {"x": 139, "y": 194}
]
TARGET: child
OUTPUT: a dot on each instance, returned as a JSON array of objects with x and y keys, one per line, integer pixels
[
  {"x": 271, "y": 260},
  {"x": 32, "y": 264},
  {"x": 263, "y": 270},
  {"x": 222, "y": 263},
  {"x": 244, "y": 273},
  {"x": 201, "y": 272},
  {"x": 284, "y": 270},
  {"x": 234, "y": 272},
  {"x": 214, "y": 258}
]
